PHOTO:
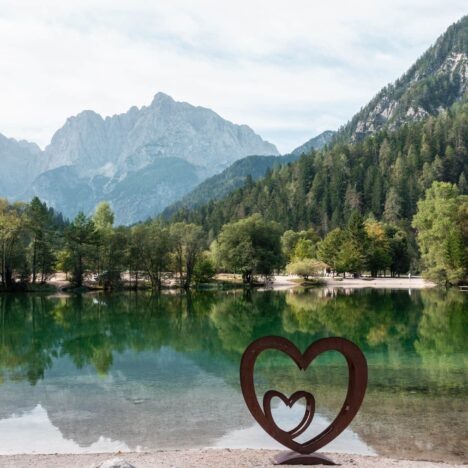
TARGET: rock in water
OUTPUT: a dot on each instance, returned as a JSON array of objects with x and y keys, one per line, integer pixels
[{"x": 113, "y": 463}]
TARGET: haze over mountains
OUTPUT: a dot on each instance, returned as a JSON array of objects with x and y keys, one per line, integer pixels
[
  {"x": 140, "y": 161},
  {"x": 171, "y": 155},
  {"x": 436, "y": 81},
  {"x": 235, "y": 176},
  {"x": 413, "y": 133}
]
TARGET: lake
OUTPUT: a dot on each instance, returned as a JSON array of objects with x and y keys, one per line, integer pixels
[{"x": 125, "y": 371}]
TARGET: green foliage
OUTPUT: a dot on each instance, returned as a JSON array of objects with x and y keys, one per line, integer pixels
[
  {"x": 188, "y": 242},
  {"x": 35, "y": 242},
  {"x": 12, "y": 244},
  {"x": 240, "y": 173},
  {"x": 299, "y": 245},
  {"x": 442, "y": 227},
  {"x": 110, "y": 247},
  {"x": 330, "y": 246},
  {"x": 80, "y": 239},
  {"x": 304, "y": 248},
  {"x": 381, "y": 177},
  {"x": 305, "y": 267},
  {"x": 150, "y": 250},
  {"x": 103, "y": 217},
  {"x": 251, "y": 246},
  {"x": 64, "y": 261},
  {"x": 40, "y": 224},
  {"x": 400, "y": 258},
  {"x": 378, "y": 254},
  {"x": 29, "y": 238},
  {"x": 366, "y": 246},
  {"x": 204, "y": 269},
  {"x": 350, "y": 258},
  {"x": 384, "y": 175}
]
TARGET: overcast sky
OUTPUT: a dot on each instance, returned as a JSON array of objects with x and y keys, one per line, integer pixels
[{"x": 289, "y": 69}]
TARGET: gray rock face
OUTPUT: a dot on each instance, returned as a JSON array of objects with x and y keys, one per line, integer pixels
[
  {"x": 140, "y": 161},
  {"x": 165, "y": 129},
  {"x": 435, "y": 82},
  {"x": 20, "y": 163},
  {"x": 316, "y": 143}
]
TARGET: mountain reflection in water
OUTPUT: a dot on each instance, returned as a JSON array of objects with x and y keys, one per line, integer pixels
[{"x": 129, "y": 371}]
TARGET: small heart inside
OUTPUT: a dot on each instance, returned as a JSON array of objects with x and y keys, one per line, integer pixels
[{"x": 288, "y": 418}]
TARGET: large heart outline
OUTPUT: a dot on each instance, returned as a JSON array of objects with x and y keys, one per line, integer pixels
[{"x": 357, "y": 383}]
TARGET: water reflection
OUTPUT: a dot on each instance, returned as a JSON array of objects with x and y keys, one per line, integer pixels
[
  {"x": 36, "y": 428},
  {"x": 160, "y": 372},
  {"x": 255, "y": 437}
]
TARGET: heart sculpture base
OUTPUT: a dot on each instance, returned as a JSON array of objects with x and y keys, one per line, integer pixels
[{"x": 294, "y": 458}]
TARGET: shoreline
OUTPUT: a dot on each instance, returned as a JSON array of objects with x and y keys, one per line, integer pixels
[
  {"x": 198, "y": 458},
  {"x": 58, "y": 285},
  {"x": 381, "y": 283},
  {"x": 283, "y": 282}
]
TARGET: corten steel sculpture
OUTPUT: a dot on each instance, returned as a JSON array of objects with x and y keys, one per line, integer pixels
[{"x": 304, "y": 453}]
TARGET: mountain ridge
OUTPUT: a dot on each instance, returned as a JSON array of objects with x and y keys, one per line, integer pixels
[
  {"x": 95, "y": 155},
  {"x": 236, "y": 175},
  {"x": 378, "y": 166},
  {"x": 434, "y": 82},
  {"x": 316, "y": 142}
]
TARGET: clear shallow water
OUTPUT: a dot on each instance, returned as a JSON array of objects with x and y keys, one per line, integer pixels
[{"x": 96, "y": 373}]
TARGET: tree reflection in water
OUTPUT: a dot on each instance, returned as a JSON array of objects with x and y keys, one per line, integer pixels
[{"x": 416, "y": 346}]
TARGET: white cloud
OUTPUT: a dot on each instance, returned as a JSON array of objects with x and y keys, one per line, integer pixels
[{"x": 288, "y": 69}]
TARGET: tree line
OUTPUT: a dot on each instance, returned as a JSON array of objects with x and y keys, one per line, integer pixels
[
  {"x": 36, "y": 242},
  {"x": 34, "y": 245},
  {"x": 392, "y": 203},
  {"x": 382, "y": 176}
]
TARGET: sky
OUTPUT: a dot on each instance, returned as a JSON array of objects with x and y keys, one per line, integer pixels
[{"x": 288, "y": 69}]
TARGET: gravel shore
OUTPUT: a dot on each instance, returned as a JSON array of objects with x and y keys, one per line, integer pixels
[
  {"x": 283, "y": 282},
  {"x": 206, "y": 458}
]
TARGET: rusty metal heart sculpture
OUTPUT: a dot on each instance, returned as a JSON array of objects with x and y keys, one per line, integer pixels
[
  {"x": 309, "y": 413},
  {"x": 357, "y": 383}
]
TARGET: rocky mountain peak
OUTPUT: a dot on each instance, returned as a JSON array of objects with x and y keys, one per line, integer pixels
[
  {"x": 140, "y": 161},
  {"x": 438, "y": 79},
  {"x": 20, "y": 161},
  {"x": 161, "y": 98}
]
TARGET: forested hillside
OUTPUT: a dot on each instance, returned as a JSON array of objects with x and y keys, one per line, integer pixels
[
  {"x": 383, "y": 175},
  {"x": 389, "y": 194},
  {"x": 240, "y": 172},
  {"x": 412, "y": 133},
  {"x": 437, "y": 80},
  {"x": 235, "y": 176}
]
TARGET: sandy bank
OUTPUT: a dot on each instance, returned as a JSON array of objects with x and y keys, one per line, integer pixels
[
  {"x": 197, "y": 459},
  {"x": 390, "y": 283},
  {"x": 282, "y": 282}
]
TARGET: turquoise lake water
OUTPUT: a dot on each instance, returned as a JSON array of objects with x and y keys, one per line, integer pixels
[{"x": 125, "y": 371}]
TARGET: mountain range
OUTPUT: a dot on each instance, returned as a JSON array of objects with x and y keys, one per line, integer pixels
[
  {"x": 413, "y": 133},
  {"x": 171, "y": 155},
  {"x": 139, "y": 161},
  {"x": 236, "y": 175},
  {"x": 435, "y": 82}
]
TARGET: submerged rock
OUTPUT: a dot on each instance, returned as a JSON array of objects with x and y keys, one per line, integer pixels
[{"x": 114, "y": 463}]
